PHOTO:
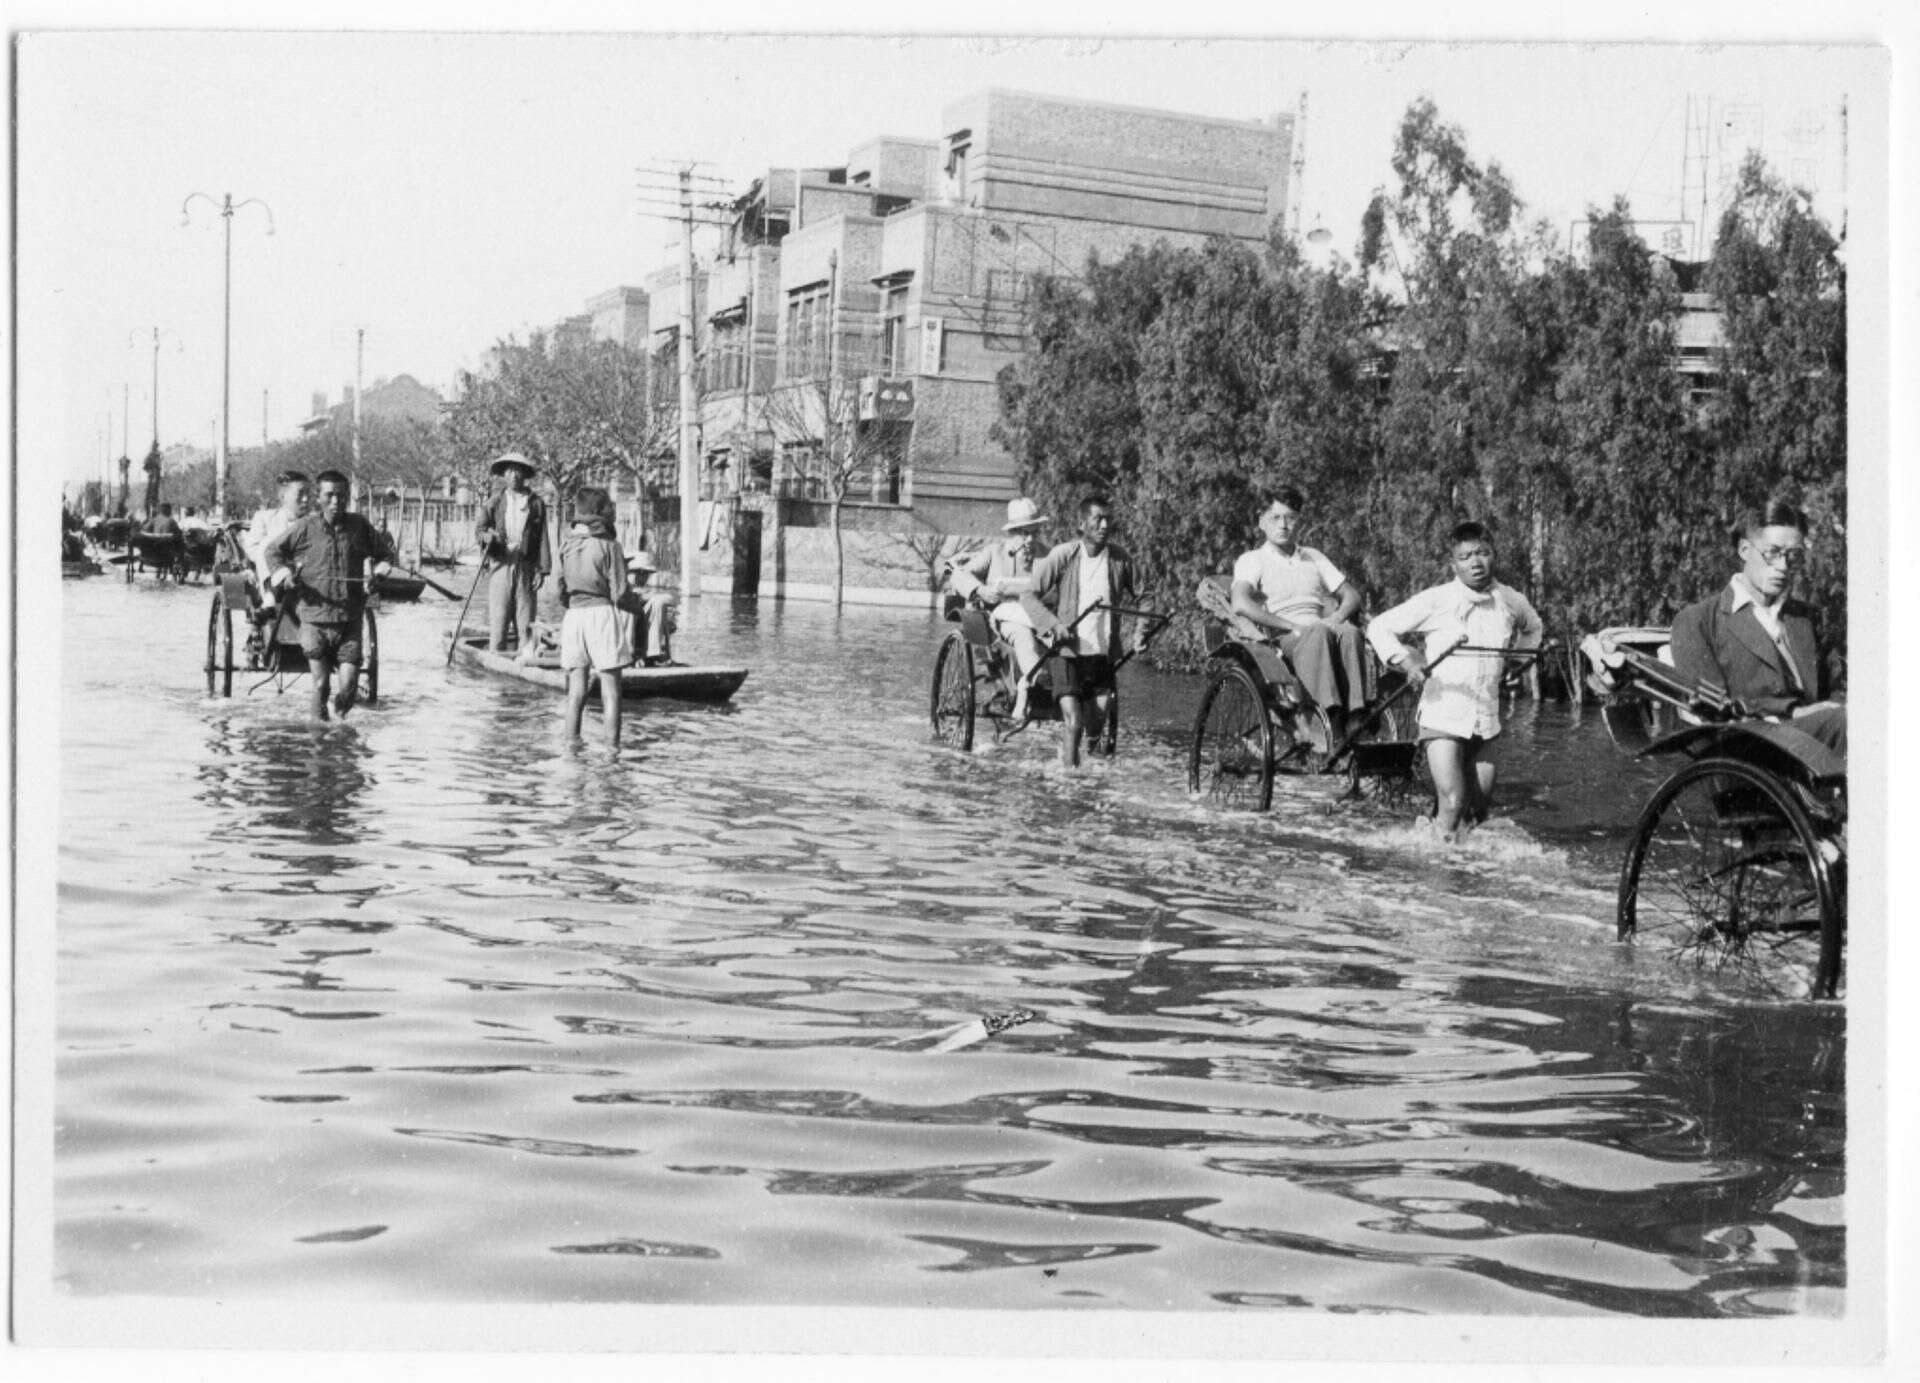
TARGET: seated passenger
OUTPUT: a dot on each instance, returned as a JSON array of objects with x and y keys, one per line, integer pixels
[
  {"x": 1295, "y": 592},
  {"x": 1756, "y": 641},
  {"x": 1460, "y": 701},
  {"x": 1001, "y": 574},
  {"x": 162, "y": 524},
  {"x": 269, "y": 524},
  {"x": 652, "y": 611}
]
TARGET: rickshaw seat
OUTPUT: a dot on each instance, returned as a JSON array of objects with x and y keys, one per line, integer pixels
[
  {"x": 1226, "y": 626},
  {"x": 976, "y": 628}
]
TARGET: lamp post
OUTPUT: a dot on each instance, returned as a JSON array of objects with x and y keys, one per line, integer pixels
[{"x": 226, "y": 209}]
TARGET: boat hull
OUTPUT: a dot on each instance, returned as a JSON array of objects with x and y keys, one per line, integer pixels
[{"x": 705, "y": 683}]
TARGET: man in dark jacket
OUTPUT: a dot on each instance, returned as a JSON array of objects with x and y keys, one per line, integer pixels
[
  {"x": 513, "y": 538},
  {"x": 1754, "y": 640},
  {"x": 329, "y": 558},
  {"x": 1067, "y": 583}
]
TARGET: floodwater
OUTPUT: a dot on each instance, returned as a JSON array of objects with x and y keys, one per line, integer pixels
[{"x": 430, "y": 1006}]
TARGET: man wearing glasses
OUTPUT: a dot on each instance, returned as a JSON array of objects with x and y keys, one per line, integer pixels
[{"x": 1755, "y": 640}]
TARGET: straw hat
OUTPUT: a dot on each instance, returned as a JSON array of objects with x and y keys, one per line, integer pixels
[
  {"x": 511, "y": 458},
  {"x": 1023, "y": 514},
  {"x": 641, "y": 561}
]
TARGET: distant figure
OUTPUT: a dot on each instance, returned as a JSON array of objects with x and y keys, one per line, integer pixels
[
  {"x": 325, "y": 563},
  {"x": 1294, "y": 591},
  {"x": 1460, "y": 699},
  {"x": 162, "y": 524},
  {"x": 596, "y": 633},
  {"x": 1073, "y": 581},
  {"x": 1757, "y": 642},
  {"x": 270, "y": 523},
  {"x": 652, "y": 611},
  {"x": 513, "y": 537},
  {"x": 193, "y": 521},
  {"x": 1002, "y": 574}
]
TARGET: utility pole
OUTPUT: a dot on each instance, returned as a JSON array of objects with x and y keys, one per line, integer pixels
[
  {"x": 359, "y": 360},
  {"x": 689, "y": 462},
  {"x": 226, "y": 208},
  {"x": 263, "y": 419}
]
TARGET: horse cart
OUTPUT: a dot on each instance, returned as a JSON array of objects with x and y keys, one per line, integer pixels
[
  {"x": 1738, "y": 862},
  {"x": 268, "y": 646},
  {"x": 974, "y": 674}
]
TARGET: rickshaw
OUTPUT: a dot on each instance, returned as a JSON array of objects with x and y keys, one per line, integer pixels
[
  {"x": 270, "y": 636},
  {"x": 974, "y": 675},
  {"x": 1738, "y": 861},
  {"x": 1257, "y": 722},
  {"x": 165, "y": 554}
]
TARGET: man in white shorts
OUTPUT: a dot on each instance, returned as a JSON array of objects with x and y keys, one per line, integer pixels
[
  {"x": 1294, "y": 591},
  {"x": 596, "y": 635}
]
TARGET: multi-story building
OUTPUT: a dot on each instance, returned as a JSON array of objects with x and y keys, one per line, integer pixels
[{"x": 853, "y": 322}]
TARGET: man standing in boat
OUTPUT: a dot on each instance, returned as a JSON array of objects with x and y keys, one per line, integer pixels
[
  {"x": 513, "y": 538},
  {"x": 325, "y": 564}
]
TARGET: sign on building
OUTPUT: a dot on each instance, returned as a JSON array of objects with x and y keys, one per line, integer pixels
[
  {"x": 885, "y": 400},
  {"x": 933, "y": 344}
]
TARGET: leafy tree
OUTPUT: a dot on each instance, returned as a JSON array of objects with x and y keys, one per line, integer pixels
[
  {"x": 579, "y": 410},
  {"x": 1779, "y": 423}
]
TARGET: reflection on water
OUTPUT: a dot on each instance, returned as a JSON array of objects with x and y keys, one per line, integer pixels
[{"x": 431, "y": 1005}]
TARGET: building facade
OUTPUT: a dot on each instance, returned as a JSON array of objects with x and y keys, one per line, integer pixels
[{"x": 852, "y": 323}]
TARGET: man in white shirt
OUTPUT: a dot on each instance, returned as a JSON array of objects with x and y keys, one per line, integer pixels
[
  {"x": 512, "y": 533},
  {"x": 269, "y": 524},
  {"x": 1460, "y": 699},
  {"x": 1295, "y": 592}
]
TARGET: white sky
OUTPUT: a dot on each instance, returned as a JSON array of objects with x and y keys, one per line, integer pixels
[{"x": 445, "y": 190}]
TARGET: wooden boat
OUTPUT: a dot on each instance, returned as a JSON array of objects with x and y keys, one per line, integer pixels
[
  {"x": 394, "y": 586},
  {"x": 700, "y": 683}
]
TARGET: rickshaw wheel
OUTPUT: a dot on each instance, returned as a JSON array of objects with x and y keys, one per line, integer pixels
[
  {"x": 1231, "y": 758},
  {"x": 220, "y": 647},
  {"x": 370, "y": 660},
  {"x": 1302, "y": 739},
  {"x": 952, "y": 707},
  {"x": 1110, "y": 728},
  {"x": 1727, "y": 870}
]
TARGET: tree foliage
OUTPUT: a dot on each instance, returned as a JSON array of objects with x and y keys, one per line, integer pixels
[
  {"x": 1467, "y": 368},
  {"x": 579, "y": 410}
]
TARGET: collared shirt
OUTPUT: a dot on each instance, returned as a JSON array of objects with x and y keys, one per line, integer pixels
[
  {"x": 331, "y": 560},
  {"x": 513, "y": 519},
  {"x": 1462, "y": 694},
  {"x": 1293, "y": 585},
  {"x": 1769, "y": 619},
  {"x": 1094, "y": 636}
]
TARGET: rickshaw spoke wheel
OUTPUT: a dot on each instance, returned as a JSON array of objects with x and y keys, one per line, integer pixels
[
  {"x": 953, "y": 700},
  {"x": 1231, "y": 757},
  {"x": 370, "y": 660},
  {"x": 1727, "y": 872},
  {"x": 220, "y": 647}
]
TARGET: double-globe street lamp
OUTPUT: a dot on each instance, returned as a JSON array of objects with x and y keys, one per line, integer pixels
[{"x": 226, "y": 208}]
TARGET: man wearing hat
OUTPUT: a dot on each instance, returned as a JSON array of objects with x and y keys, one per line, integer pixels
[
  {"x": 1002, "y": 574},
  {"x": 652, "y": 611},
  {"x": 513, "y": 540}
]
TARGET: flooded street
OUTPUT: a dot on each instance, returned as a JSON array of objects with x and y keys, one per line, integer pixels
[{"x": 429, "y": 1006}]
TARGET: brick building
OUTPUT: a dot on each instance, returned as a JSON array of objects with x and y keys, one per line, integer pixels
[{"x": 853, "y": 320}]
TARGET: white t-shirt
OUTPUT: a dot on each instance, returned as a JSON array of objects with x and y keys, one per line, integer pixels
[
  {"x": 1096, "y": 588},
  {"x": 1292, "y": 587}
]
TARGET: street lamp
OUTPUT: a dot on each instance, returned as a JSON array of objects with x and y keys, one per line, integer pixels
[{"x": 226, "y": 208}]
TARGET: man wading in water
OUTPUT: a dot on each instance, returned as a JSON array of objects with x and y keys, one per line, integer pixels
[{"x": 325, "y": 560}]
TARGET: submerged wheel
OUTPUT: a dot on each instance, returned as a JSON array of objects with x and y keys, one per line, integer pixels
[
  {"x": 1302, "y": 738},
  {"x": 952, "y": 706},
  {"x": 370, "y": 660},
  {"x": 1727, "y": 871},
  {"x": 220, "y": 647},
  {"x": 1110, "y": 728},
  {"x": 1231, "y": 759}
]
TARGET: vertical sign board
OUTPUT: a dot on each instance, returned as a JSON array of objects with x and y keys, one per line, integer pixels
[{"x": 933, "y": 342}]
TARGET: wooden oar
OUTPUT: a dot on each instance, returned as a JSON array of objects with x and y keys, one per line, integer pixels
[
  {"x": 453, "y": 640},
  {"x": 431, "y": 583}
]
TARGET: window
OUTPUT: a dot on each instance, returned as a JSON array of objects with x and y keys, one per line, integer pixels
[
  {"x": 807, "y": 326},
  {"x": 893, "y": 331},
  {"x": 727, "y": 354}
]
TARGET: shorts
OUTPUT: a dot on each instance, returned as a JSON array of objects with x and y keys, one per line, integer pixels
[
  {"x": 335, "y": 643},
  {"x": 1086, "y": 674},
  {"x": 1473, "y": 743},
  {"x": 598, "y": 637}
]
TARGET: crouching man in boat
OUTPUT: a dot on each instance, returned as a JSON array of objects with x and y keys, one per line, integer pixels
[
  {"x": 1468, "y": 625},
  {"x": 325, "y": 564},
  {"x": 596, "y": 632},
  {"x": 653, "y": 614},
  {"x": 1002, "y": 574}
]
